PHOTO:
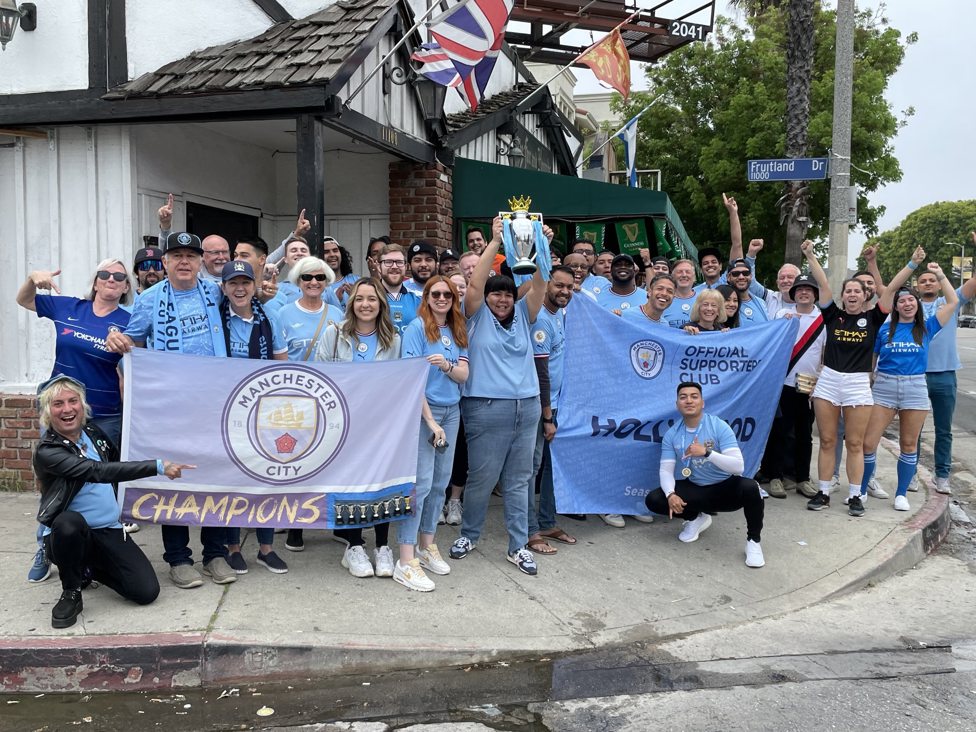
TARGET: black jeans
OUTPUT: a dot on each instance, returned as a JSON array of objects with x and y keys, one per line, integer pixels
[
  {"x": 796, "y": 416},
  {"x": 115, "y": 560},
  {"x": 729, "y": 495},
  {"x": 355, "y": 536}
]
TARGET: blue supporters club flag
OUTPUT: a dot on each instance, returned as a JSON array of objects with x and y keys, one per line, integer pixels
[
  {"x": 469, "y": 30},
  {"x": 618, "y": 400},
  {"x": 275, "y": 443}
]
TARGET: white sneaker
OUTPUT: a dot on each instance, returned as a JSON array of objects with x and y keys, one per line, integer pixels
[
  {"x": 431, "y": 560},
  {"x": 412, "y": 576},
  {"x": 941, "y": 486},
  {"x": 834, "y": 483},
  {"x": 384, "y": 561},
  {"x": 442, "y": 519},
  {"x": 130, "y": 527},
  {"x": 693, "y": 528},
  {"x": 875, "y": 490},
  {"x": 754, "y": 555},
  {"x": 454, "y": 511},
  {"x": 356, "y": 560},
  {"x": 913, "y": 485},
  {"x": 613, "y": 519},
  {"x": 648, "y": 519},
  {"x": 901, "y": 503}
]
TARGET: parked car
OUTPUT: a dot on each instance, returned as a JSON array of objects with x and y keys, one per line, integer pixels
[{"x": 967, "y": 321}]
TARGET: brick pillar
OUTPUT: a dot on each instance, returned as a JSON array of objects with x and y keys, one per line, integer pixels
[
  {"x": 19, "y": 429},
  {"x": 420, "y": 204}
]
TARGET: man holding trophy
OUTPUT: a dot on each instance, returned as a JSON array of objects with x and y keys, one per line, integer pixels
[{"x": 500, "y": 401}]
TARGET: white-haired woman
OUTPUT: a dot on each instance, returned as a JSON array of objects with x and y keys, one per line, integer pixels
[
  {"x": 77, "y": 467},
  {"x": 81, "y": 326}
]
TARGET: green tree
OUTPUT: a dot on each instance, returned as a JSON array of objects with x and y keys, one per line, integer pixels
[
  {"x": 723, "y": 102},
  {"x": 939, "y": 228}
]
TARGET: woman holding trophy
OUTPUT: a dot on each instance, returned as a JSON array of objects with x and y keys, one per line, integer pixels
[{"x": 500, "y": 400}]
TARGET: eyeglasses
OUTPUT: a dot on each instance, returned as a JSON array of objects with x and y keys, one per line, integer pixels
[
  {"x": 117, "y": 276},
  {"x": 441, "y": 295},
  {"x": 584, "y": 252},
  {"x": 316, "y": 277},
  {"x": 392, "y": 262},
  {"x": 577, "y": 266},
  {"x": 149, "y": 265},
  {"x": 217, "y": 252},
  {"x": 740, "y": 273}
]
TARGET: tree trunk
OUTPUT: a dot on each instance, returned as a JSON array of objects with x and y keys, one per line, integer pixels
[{"x": 799, "y": 69}]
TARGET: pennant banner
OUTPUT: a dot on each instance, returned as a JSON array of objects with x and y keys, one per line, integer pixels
[
  {"x": 275, "y": 443},
  {"x": 632, "y": 236},
  {"x": 593, "y": 232},
  {"x": 607, "y": 450}
]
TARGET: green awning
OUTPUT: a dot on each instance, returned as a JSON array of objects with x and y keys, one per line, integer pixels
[{"x": 483, "y": 189}]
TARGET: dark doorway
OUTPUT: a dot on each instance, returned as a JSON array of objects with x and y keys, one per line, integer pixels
[{"x": 206, "y": 220}]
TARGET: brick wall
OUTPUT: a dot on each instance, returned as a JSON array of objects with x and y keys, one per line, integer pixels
[
  {"x": 421, "y": 204},
  {"x": 18, "y": 435}
]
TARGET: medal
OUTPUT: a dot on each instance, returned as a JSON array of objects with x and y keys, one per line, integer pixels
[
  {"x": 686, "y": 472},
  {"x": 362, "y": 348}
]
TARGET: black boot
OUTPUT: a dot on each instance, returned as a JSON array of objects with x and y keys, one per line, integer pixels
[{"x": 67, "y": 610}]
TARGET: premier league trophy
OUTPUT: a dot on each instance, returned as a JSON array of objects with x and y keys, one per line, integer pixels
[{"x": 522, "y": 232}]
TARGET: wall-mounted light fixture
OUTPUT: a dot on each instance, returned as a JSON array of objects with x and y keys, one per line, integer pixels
[
  {"x": 11, "y": 16},
  {"x": 508, "y": 147}
]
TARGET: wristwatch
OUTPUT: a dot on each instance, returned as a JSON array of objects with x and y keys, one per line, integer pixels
[
  {"x": 549, "y": 420},
  {"x": 708, "y": 451}
]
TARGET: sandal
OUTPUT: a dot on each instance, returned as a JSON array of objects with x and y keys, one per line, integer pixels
[
  {"x": 540, "y": 546},
  {"x": 557, "y": 534}
]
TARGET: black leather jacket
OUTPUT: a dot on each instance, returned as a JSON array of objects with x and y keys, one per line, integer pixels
[{"x": 62, "y": 469}]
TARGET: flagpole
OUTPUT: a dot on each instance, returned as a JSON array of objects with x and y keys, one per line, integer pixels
[
  {"x": 581, "y": 55},
  {"x": 607, "y": 141},
  {"x": 396, "y": 47}
]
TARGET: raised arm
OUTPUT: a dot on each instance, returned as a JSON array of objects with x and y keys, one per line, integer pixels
[
  {"x": 37, "y": 280},
  {"x": 735, "y": 228},
  {"x": 944, "y": 313},
  {"x": 474, "y": 298},
  {"x": 536, "y": 293},
  {"x": 870, "y": 254},
  {"x": 826, "y": 294},
  {"x": 888, "y": 296}
]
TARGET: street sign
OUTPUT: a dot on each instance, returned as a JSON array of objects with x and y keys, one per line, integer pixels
[{"x": 787, "y": 169}]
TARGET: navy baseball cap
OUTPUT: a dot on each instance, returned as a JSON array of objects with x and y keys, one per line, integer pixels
[{"x": 237, "y": 268}]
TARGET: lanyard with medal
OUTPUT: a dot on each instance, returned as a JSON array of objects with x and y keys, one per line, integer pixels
[{"x": 686, "y": 470}]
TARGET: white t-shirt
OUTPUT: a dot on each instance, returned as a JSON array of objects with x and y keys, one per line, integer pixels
[{"x": 809, "y": 362}]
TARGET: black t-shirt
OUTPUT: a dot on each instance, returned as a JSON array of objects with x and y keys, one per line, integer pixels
[{"x": 850, "y": 338}]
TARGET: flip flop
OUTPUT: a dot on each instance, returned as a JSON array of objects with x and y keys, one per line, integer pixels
[
  {"x": 540, "y": 546},
  {"x": 557, "y": 534}
]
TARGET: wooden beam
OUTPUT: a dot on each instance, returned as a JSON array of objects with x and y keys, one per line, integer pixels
[
  {"x": 379, "y": 135},
  {"x": 97, "y": 43},
  {"x": 310, "y": 167},
  {"x": 116, "y": 51},
  {"x": 659, "y": 26},
  {"x": 274, "y": 10},
  {"x": 34, "y": 134}
]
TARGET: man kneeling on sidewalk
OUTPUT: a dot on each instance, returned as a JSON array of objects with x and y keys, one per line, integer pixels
[{"x": 703, "y": 448}]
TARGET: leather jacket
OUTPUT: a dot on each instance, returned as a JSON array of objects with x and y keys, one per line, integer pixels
[{"x": 62, "y": 469}]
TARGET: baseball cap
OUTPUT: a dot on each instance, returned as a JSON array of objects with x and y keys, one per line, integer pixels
[
  {"x": 623, "y": 258},
  {"x": 449, "y": 254},
  {"x": 237, "y": 268},
  {"x": 421, "y": 247},
  {"x": 147, "y": 254},
  {"x": 183, "y": 240}
]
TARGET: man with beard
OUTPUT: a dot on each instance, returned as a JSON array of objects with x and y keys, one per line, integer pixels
[
  {"x": 148, "y": 268},
  {"x": 548, "y": 344},
  {"x": 422, "y": 260},
  {"x": 403, "y": 302},
  {"x": 623, "y": 292},
  {"x": 752, "y": 310},
  {"x": 447, "y": 264},
  {"x": 679, "y": 311}
]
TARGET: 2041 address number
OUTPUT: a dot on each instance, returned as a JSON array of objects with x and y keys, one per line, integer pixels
[{"x": 694, "y": 31}]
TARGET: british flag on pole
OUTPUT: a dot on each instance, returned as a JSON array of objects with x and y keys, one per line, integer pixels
[{"x": 469, "y": 30}]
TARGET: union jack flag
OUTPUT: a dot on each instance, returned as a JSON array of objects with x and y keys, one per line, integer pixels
[
  {"x": 468, "y": 31},
  {"x": 437, "y": 66}
]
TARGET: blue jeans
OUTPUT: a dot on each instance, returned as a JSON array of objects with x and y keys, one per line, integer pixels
[
  {"x": 545, "y": 517},
  {"x": 942, "y": 394},
  {"x": 176, "y": 544},
  {"x": 501, "y": 446},
  {"x": 433, "y": 475},
  {"x": 264, "y": 536}
]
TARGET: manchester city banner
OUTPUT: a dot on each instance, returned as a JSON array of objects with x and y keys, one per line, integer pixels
[
  {"x": 275, "y": 443},
  {"x": 618, "y": 400}
]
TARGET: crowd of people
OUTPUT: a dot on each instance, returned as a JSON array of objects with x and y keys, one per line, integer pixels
[{"x": 496, "y": 354}]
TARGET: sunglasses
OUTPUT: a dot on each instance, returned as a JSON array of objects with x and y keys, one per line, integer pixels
[
  {"x": 316, "y": 277},
  {"x": 148, "y": 265},
  {"x": 117, "y": 276},
  {"x": 740, "y": 273},
  {"x": 441, "y": 295}
]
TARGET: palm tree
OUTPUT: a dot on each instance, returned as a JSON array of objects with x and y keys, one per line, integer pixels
[{"x": 799, "y": 70}]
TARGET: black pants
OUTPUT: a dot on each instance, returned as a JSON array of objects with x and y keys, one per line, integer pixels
[
  {"x": 796, "y": 416},
  {"x": 459, "y": 472},
  {"x": 115, "y": 560},
  {"x": 355, "y": 536},
  {"x": 729, "y": 495}
]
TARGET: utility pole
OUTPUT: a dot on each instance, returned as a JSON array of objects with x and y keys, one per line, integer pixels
[{"x": 840, "y": 159}]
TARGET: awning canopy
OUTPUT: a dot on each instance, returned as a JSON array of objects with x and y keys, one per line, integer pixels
[{"x": 481, "y": 189}]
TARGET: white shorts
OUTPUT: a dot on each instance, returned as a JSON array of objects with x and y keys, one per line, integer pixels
[{"x": 844, "y": 390}]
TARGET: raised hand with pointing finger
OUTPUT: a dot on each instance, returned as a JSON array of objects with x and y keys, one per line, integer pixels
[{"x": 165, "y": 214}]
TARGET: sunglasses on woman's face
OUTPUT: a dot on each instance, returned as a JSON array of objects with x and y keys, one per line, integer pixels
[
  {"x": 150, "y": 265},
  {"x": 103, "y": 274},
  {"x": 441, "y": 295},
  {"x": 316, "y": 277}
]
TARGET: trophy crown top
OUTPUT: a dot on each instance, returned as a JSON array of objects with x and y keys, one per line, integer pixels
[{"x": 520, "y": 203}]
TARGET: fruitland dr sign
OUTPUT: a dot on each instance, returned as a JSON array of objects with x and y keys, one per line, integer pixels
[{"x": 787, "y": 169}]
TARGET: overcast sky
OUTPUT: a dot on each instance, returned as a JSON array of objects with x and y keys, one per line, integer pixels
[{"x": 936, "y": 150}]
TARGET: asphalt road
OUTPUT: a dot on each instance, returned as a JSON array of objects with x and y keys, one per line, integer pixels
[{"x": 965, "y": 416}]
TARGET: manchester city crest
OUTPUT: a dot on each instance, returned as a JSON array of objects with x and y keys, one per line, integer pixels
[{"x": 647, "y": 358}]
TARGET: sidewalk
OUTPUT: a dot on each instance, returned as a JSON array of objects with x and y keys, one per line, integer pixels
[{"x": 615, "y": 586}]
